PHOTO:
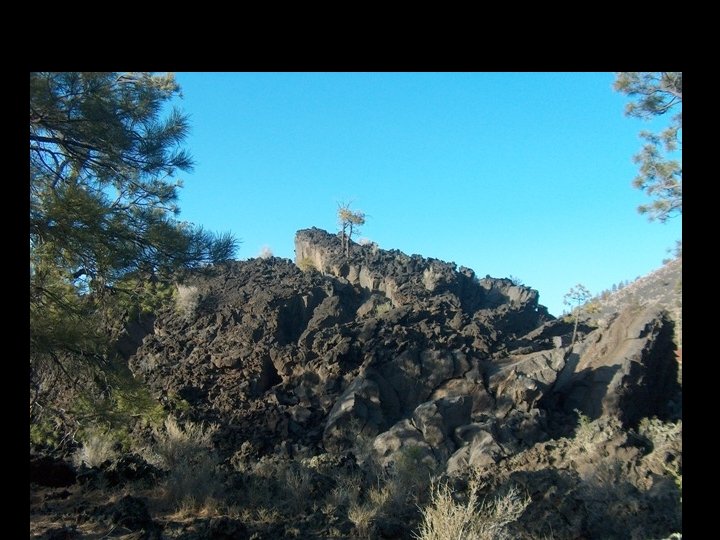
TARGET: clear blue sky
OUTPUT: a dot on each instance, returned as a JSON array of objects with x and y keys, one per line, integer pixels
[{"x": 522, "y": 174}]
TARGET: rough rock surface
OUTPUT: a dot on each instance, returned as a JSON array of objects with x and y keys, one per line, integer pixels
[
  {"x": 333, "y": 368},
  {"x": 382, "y": 355},
  {"x": 126, "y": 469},
  {"x": 624, "y": 370},
  {"x": 601, "y": 484},
  {"x": 385, "y": 345},
  {"x": 131, "y": 513}
]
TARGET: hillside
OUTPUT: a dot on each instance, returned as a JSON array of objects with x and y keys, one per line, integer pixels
[
  {"x": 661, "y": 288},
  {"x": 325, "y": 397}
]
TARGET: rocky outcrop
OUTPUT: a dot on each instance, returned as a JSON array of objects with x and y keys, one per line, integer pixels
[
  {"x": 398, "y": 351},
  {"x": 337, "y": 385},
  {"x": 627, "y": 371},
  {"x": 404, "y": 279},
  {"x": 429, "y": 430}
]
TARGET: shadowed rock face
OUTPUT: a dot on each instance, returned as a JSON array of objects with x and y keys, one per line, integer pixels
[
  {"x": 624, "y": 371},
  {"x": 47, "y": 471},
  {"x": 400, "y": 351}
]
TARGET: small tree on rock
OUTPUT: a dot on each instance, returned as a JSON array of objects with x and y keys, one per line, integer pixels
[
  {"x": 350, "y": 223},
  {"x": 575, "y": 298}
]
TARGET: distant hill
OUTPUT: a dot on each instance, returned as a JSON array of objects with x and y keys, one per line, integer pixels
[{"x": 661, "y": 287}]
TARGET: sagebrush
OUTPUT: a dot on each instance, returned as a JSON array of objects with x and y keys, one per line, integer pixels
[{"x": 448, "y": 518}]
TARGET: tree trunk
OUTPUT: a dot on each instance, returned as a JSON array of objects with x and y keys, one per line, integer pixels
[{"x": 572, "y": 341}]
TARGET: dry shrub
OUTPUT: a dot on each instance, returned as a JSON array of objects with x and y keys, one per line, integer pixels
[
  {"x": 297, "y": 481},
  {"x": 278, "y": 487},
  {"x": 187, "y": 453},
  {"x": 188, "y": 298},
  {"x": 346, "y": 491},
  {"x": 96, "y": 449},
  {"x": 306, "y": 264},
  {"x": 395, "y": 491},
  {"x": 585, "y": 433},
  {"x": 265, "y": 252},
  {"x": 362, "y": 516},
  {"x": 665, "y": 440},
  {"x": 446, "y": 518},
  {"x": 180, "y": 445}
]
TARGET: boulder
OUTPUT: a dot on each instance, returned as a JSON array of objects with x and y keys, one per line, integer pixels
[
  {"x": 402, "y": 438},
  {"x": 429, "y": 431},
  {"x": 519, "y": 381},
  {"x": 131, "y": 468},
  {"x": 482, "y": 450},
  {"x": 627, "y": 371}
]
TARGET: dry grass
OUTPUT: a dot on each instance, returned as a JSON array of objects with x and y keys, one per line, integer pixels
[
  {"x": 190, "y": 508},
  {"x": 268, "y": 515},
  {"x": 96, "y": 449},
  {"x": 395, "y": 491},
  {"x": 186, "y": 452},
  {"x": 362, "y": 516},
  {"x": 279, "y": 488},
  {"x": 298, "y": 487},
  {"x": 53, "y": 513},
  {"x": 177, "y": 445},
  {"x": 188, "y": 298},
  {"x": 265, "y": 252},
  {"x": 306, "y": 264},
  {"x": 446, "y": 518},
  {"x": 346, "y": 491}
]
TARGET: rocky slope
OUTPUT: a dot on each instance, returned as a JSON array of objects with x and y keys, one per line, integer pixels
[
  {"x": 365, "y": 361},
  {"x": 661, "y": 288},
  {"x": 354, "y": 347}
]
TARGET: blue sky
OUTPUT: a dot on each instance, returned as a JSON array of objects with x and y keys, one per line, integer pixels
[{"x": 522, "y": 174}]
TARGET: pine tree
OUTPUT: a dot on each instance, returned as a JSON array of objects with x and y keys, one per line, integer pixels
[
  {"x": 575, "y": 298},
  {"x": 350, "y": 222},
  {"x": 660, "y": 176},
  {"x": 104, "y": 238}
]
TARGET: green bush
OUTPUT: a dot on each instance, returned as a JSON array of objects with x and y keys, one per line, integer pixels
[{"x": 44, "y": 433}]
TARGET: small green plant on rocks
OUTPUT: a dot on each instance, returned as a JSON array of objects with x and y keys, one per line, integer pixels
[{"x": 585, "y": 431}]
